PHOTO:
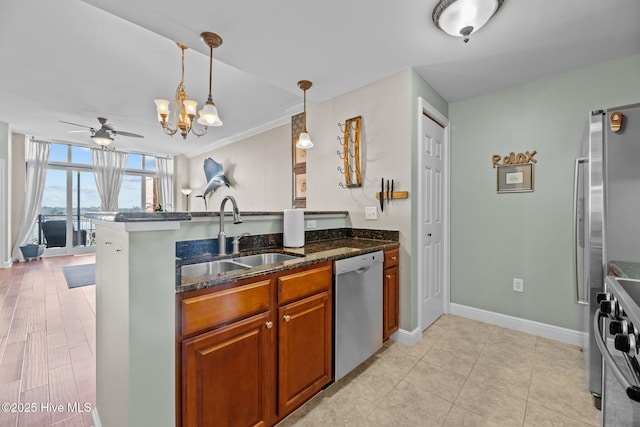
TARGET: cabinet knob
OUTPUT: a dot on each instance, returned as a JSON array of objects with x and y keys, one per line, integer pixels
[
  {"x": 286, "y": 317},
  {"x": 388, "y": 276},
  {"x": 269, "y": 325},
  {"x": 393, "y": 258}
]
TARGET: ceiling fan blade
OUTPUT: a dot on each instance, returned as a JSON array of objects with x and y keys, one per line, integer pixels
[
  {"x": 132, "y": 135},
  {"x": 78, "y": 131},
  {"x": 75, "y": 124}
]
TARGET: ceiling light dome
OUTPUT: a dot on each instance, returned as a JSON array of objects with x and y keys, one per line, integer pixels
[{"x": 461, "y": 18}]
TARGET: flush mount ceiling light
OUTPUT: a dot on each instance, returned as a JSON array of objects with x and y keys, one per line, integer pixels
[
  {"x": 462, "y": 18},
  {"x": 304, "y": 141}
]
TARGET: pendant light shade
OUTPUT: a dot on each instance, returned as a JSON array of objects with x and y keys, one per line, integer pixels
[
  {"x": 304, "y": 141},
  {"x": 461, "y": 18},
  {"x": 209, "y": 113}
]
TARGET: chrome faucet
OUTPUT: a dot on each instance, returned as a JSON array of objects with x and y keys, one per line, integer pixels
[
  {"x": 235, "y": 243},
  {"x": 222, "y": 237}
]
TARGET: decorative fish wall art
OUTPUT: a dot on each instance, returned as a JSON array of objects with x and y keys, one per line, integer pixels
[{"x": 214, "y": 173}]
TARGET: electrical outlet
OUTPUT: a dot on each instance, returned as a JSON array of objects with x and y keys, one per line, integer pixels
[
  {"x": 370, "y": 213},
  {"x": 518, "y": 285},
  {"x": 311, "y": 224}
]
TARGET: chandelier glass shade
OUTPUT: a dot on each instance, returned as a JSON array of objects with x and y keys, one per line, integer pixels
[
  {"x": 304, "y": 141},
  {"x": 461, "y": 18}
]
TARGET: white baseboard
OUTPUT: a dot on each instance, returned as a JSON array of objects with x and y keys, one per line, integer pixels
[
  {"x": 95, "y": 418},
  {"x": 568, "y": 336},
  {"x": 409, "y": 338}
]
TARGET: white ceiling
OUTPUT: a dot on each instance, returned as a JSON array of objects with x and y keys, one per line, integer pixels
[{"x": 76, "y": 60}]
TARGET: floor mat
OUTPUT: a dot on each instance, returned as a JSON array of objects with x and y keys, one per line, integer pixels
[{"x": 79, "y": 275}]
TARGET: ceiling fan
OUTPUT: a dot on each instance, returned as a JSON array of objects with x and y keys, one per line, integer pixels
[{"x": 103, "y": 136}]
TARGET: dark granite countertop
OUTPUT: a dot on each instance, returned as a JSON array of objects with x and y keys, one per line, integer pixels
[
  {"x": 185, "y": 216},
  {"x": 626, "y": 269},
  {"x": 311, "y": 253}
]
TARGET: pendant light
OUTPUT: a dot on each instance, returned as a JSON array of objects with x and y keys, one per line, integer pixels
[
  {"x": 209, "y": 113},
  {"x": 304, "y": 141},
  {"x": 461, "y": 18}
]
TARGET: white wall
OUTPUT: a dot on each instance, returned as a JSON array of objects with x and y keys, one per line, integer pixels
[
  {"x": 5, "y": 183},
  {"x": 259, "y": 169}
]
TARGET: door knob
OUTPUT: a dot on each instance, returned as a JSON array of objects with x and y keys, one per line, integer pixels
[
  {"x": 429, "y": 235},
  {"x": 269, "y": 325},
  {"x": 286, "y": 317}
]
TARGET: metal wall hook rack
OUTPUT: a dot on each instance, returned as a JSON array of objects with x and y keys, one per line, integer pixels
[
  {"x": 350, "y": 153},
  {"x": 342, "y": 126}
]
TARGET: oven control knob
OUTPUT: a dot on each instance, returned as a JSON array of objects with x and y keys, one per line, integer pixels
[
  {"x": 619, "y": 327},
  {"x": 602, "y": 296},
  {"x": 609, "y": 307},
  {"x": 625, "y": 343}
]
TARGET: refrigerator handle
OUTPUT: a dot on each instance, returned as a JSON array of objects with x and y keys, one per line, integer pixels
[{"x": 581, "y": 298}]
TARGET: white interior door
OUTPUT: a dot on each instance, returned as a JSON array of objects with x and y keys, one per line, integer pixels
[{"x": 432, "y": 220}]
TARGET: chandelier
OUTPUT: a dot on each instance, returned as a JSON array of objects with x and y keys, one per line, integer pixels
[{"x": 184, "y": 112}]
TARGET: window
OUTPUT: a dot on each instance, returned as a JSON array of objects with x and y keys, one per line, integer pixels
[{"x": 70, "y": 191}]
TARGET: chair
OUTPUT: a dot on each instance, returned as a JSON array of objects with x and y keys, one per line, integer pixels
[{"x": 55, "y": 234}]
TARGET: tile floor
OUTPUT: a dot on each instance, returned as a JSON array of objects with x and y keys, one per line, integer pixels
[{"x": 462, "y": 373}]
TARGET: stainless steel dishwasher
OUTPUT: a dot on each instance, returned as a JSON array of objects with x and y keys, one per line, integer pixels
[{"x": 358, "y": 311}]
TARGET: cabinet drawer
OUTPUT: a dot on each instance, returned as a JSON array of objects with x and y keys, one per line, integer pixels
[
  {"x": 304, "y": 283},
  {"x": 225, "y": 306},
  {"x": 391, "y": 257}
]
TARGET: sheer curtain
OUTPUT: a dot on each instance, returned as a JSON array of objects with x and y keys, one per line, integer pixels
[
  {"x": 37, "y": 161},
  {"x": 165, "y": 173},
  {"x": 109, "y": 168}
]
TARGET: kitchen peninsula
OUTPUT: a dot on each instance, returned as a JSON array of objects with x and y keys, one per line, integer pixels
[{"x": 136, "y": 295}]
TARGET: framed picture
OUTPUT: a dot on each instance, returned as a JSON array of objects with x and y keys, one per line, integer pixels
[
  {"x": 299, "y": 189},
  {"x": 515, "y": 178}
]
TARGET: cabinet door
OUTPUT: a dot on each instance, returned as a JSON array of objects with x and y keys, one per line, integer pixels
[
  {"x": 304, "y": 350},
  {"x": 227, "y": 375},
  {"x": 390, "y": 302}
]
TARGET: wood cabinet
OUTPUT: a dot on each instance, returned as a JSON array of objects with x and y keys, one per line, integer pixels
[
  {"x": 391, "y": 293},
  {"x": 226, "y": 374},
  {"x": 251, "y": 352},
  {"x": 304, "y": 350}
]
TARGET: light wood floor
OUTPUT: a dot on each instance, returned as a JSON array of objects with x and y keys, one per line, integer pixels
[{"x": 47, "y": 345}]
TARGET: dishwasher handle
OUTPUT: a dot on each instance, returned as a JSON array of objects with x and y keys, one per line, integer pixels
[{"x": 358, "y": 264}]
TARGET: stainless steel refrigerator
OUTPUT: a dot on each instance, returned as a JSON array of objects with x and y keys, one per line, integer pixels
[{"x": 606, "y": 212}]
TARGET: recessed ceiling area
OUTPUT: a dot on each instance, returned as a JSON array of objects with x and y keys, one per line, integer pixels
[{"x": 75, "y": 60}]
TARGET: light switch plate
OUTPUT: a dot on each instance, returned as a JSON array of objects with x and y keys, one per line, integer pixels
[
  {"x": 371, "y": 213},
  {"x": 518, "y": 285}
]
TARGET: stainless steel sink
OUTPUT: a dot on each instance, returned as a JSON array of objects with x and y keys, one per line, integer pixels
[
  {"x": 264, "y": 259},
  {"x": 239, "y": 263},
  {"x": 212, "y": 267}
]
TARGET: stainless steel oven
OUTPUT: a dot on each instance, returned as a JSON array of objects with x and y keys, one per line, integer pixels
[{"x": 618, "y": 339}]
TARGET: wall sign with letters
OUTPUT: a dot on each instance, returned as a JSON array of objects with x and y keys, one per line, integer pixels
[
  {"x": 515, "y": 171},
  {"x": 514, "y": 159}
]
